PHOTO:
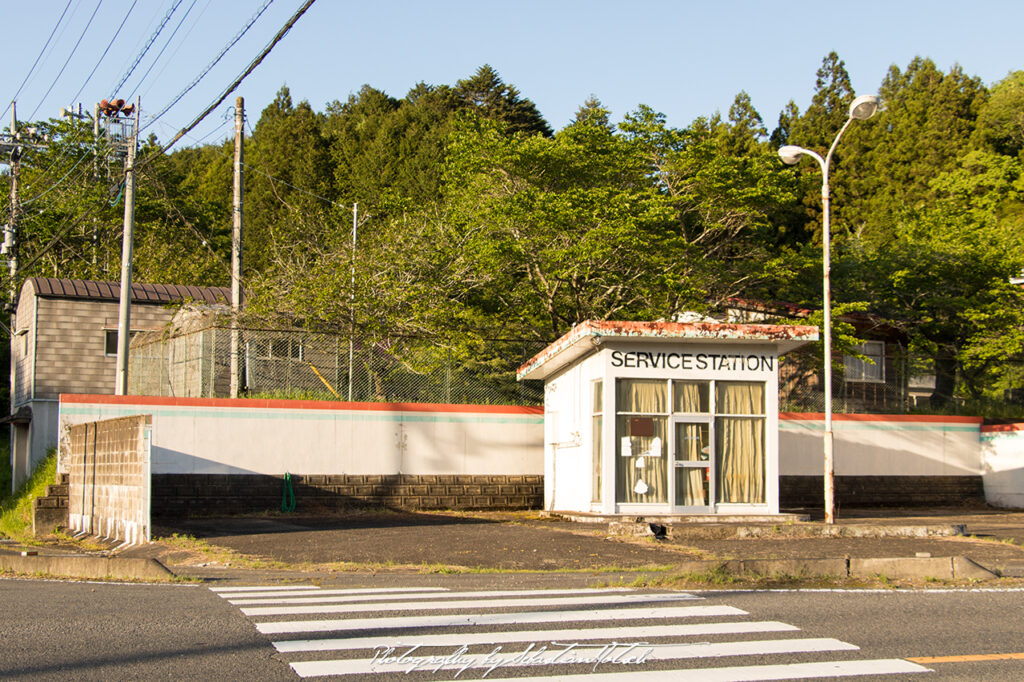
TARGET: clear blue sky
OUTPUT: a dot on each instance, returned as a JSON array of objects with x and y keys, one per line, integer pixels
[{"x": 683, "y": 58}]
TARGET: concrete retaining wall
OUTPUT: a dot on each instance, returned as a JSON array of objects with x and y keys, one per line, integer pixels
[
  {"x": 443, "y": 456},
  {"x": 109, "y": 482},
  {"x": 216, "y": 456},
  {"x": 1002, "y": 461}
]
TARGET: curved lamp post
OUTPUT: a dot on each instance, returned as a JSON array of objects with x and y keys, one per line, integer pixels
[{"x": 862, "y": 108}]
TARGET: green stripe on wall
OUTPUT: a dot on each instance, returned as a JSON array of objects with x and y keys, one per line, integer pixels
[
  {"x": 876, "y": 426},
  {"x": 109, "y": 411}
]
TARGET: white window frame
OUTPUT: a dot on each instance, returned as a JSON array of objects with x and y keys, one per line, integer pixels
[{"x": 864, "y": 371}]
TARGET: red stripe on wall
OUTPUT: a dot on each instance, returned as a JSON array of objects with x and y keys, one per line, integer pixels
[
  {"x": 995, "y": 428},
  {"x": 297, "y": 404},
  {"x": 906, "y": 418}
]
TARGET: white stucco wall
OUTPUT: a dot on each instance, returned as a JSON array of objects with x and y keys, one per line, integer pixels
[
  {"x": 882, "y": 445},
  {"x": 568, "y": 466},
  {"x": 1002, "y": 462},
  {"x": 204, "y": 436}
]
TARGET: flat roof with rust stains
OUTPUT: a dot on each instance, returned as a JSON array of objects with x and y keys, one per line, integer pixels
[{"x": 583, "y": 338}]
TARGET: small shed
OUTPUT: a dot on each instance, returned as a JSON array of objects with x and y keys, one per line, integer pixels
[{"x": 663, "y": 417}]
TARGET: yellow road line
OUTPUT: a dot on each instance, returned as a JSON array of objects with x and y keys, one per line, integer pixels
[{"x": 924, "y": 660}]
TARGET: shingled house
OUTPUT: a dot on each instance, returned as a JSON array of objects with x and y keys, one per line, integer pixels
[{"x": 65, "y": 341}]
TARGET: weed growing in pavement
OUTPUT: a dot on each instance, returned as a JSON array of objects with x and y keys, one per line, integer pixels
[{"x": 213, "y": 554}]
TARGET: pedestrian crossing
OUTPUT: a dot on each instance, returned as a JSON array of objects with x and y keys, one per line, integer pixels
[{"x": 584, "y": 635}]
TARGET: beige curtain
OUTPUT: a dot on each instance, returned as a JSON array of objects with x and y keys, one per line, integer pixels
[
  {"x": 598, "y": 443},
  {"x": 739, "y": 397},
  {"x": 690, "y": 441},
  {"x": 740, "y": 442},
  {"x": 690, "y": 397},
  {"x": 740, "y": 451},
  {"x": 647, "y": 397}
]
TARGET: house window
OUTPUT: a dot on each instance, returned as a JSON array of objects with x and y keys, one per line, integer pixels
[
  {"x": 870, "y": 369},
  {"x": 284, "y": 349},
  {"x": 110, "y": 341}
]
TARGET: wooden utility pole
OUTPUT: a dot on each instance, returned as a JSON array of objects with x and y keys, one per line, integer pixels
[
  {"x": 236, "y": 244},
  {"x": 10, "y": 245},
  {"x": 127, "y": 239}
]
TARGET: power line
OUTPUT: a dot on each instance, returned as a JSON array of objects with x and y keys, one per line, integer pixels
[
  {"x": 231, "y": 88},
  {"x": 162, "y": 50},
  {"x": 170, "y": 60},
  {"x": 145, "y": 49},
  {"x": 202, "y": 74},
  {"x": 40, "y": 56},
  {"x": 104, "y": 55},
  {"x": 67, "y": 61}
]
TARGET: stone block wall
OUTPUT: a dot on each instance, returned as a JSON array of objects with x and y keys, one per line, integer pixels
[
  {"x": 50, "y": 512},
  {"x": 176, "y": 495},
  {"x": 109, "y": 477},
  {"x": 803, "y": 492}
]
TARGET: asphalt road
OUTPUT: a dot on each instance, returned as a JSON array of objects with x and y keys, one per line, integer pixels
[{"x": 66, "y": 630}]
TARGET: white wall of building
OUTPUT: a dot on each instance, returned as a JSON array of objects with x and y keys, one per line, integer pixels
[
  {"x": 203, "y": 436},
  {"x": 882, "y": 445},
  {"x": 568, "y": 468},
  {"x": 1002, "y": 462}
]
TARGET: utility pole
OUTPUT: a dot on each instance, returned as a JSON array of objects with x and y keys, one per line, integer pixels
[
  {"x": 236, "y": 243},
  {"x": 124, "y": 308},
  {"x": 352, "y": 300},
  {"x": 95, "y": 174},
  {"x": 10, "y": 245}
]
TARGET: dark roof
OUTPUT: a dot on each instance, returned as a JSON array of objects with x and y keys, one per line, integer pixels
[{"x": 51, "y": 287}]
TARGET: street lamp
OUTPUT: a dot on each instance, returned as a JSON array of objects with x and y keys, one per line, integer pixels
[{"x": 862, "y": 108}]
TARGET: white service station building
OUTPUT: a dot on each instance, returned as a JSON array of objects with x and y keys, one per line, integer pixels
[{"x": 662, "y": 417}]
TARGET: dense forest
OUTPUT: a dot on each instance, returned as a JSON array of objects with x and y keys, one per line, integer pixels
[{"x": 480, "y": 222}]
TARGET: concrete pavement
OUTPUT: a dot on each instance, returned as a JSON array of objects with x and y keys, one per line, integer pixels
[{"x": 931, "y": 545}]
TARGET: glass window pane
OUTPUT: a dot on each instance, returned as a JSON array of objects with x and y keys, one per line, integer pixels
[
  {"x": 739, "y": 448},
  {"x": 692, "y": 487},
  {"x": 597, "y": 437},
  {"x": 641, "y": 467},
  {"x": 692, "y": 442},
  {"x": 690, "y": 397},
  {"x": 648, "y": 396},
  {"x": 739, "y": 397},
  {"x": 598, "y": 391}
]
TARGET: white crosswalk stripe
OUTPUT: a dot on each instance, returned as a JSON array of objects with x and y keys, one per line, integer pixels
[{"x": 593, "y": 635}]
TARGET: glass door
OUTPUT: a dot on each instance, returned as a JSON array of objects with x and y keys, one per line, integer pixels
[{"x": 692, "y": 464}]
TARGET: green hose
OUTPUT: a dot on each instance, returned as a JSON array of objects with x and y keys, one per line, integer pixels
[{"x": 288, "y": 495}]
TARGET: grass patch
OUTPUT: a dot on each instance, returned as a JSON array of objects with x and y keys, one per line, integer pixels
[
  {"x": 212, "y": 554},
  {"x": 5, "y": 463},
  {"x": 16, "y": 509}
]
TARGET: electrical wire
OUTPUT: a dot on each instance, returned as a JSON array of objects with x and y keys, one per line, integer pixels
[
  {"x": 145, "y": 49},
  {"x": 171, "y": 60},
  {"x": 54, "y": 185},
  {"x": 40, "y": 56},
  {"x": 109, "y": 45},
  {"x": 224, "y": 50},
  {"x": 156, "y": 59},
  {"x": 238, "y": 81},
  {"x": 67, "y": 61}
]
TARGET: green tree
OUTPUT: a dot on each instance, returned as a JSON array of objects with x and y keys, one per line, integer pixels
[
  {"x": 1000, "y": 125},
  {"x": 495, "y": 100}
]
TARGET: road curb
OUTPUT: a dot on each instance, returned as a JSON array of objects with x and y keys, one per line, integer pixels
[
  {"x": 724, "y": 531},
  {"x": 912, "y": 568},
  {"x": 86, "y": 567}
]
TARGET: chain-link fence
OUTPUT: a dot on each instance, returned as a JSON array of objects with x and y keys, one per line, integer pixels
[{"x": 303, "y": 365}]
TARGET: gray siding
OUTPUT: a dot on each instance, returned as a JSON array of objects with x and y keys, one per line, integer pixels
[{"x": 70, "y": 357}]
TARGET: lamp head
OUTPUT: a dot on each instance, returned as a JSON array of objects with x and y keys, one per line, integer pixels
[
  {"x": 864, "y": 107},
  {"x": 791, "y": 154}
]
